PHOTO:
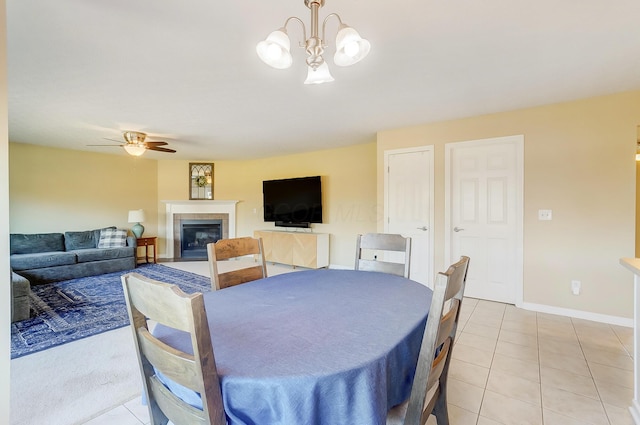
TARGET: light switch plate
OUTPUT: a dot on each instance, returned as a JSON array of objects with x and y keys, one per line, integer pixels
[{"x": 544, "y": 214}]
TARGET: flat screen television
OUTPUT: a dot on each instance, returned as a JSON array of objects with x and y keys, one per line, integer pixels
[{"x": 293, "y": 202}]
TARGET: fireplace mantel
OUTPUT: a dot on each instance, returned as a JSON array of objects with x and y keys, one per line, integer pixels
[{"x": 197, "y": 207}]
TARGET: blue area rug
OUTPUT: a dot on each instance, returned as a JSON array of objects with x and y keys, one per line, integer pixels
[{"x": 66, "y": 311}]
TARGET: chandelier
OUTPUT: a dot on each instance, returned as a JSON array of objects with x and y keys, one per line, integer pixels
[{"x": 350, "y": 47}]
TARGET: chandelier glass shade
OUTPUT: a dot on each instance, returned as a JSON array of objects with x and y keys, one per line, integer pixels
[
  {"x": 275, "y": 50},
  {"x": 350, "y": 47},
  {"x": 319, "y": 75}
]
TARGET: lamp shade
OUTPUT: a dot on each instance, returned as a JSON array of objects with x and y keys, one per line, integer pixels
[
  {"x": 136, "y": 216},
  {"x": 350, "y": 47},
  {"x": 134, "y": 150},
  {"x": 275, "y": 50},
  {"x": 319, "y": 75}
]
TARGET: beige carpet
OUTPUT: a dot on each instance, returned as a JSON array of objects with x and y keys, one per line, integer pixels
[{"x": 72, "y": 383}]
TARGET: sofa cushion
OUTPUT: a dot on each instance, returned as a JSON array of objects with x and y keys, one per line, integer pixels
[
  {"x": 112, "y": 238},
  {"x": 37, "y": 242},
  {"x": 83, "y": 240},
  {"x": 37, "y": 261},
  {"x": 79, "y": 240},
  {"x": 97, "y": 254}
]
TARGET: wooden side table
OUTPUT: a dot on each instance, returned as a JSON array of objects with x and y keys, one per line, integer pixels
[{"x": 146, "y": 243}]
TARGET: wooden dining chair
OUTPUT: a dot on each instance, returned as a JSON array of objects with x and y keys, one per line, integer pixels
[
  {"x": 151, "y": 300},
  {"x": 383, "y": 242},
  {"x": 225, "y": 249},
  {"x": 429, "y": 389}
]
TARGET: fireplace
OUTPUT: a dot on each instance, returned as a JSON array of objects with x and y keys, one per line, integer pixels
[
  {"x": 192, "y": 233},
  {"x": 196, "y": 234},
  {"x": 200, "y": 222}
]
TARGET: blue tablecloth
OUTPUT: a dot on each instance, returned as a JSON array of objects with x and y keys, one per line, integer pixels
[{"x": 319, "y": 347}]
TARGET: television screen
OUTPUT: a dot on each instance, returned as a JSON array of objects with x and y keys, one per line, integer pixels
[{"x": 293, "y": 201}]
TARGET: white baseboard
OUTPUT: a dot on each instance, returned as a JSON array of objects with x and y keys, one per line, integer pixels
[
  {"x": 635, "y": 411},
  {"x": 339, "y": 267},
  {"x": 578, "y": 314}
]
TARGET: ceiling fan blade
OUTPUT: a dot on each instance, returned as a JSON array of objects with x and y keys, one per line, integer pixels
[
  {"x": 114, "y": 140},
  {"x": 155, "y": 148},
  {"x": 156, "y": 143},
  {"x": 112, "y": 146}
]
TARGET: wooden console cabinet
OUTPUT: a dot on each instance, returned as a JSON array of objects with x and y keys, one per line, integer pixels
[{"x": 310, "y": 250}]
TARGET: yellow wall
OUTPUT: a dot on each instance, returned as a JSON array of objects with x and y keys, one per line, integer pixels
[
  {"x": 54, "y": 190},
  {"x": 57, "y": 190},
  {"x": 348, "y": 186},
  {"x": 578, "y": 162}
]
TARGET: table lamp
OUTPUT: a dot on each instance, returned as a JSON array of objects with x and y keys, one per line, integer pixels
[{"x": 136, "y": 216}]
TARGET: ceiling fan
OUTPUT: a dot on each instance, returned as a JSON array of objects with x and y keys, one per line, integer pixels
[{"x": 136, "y": 145}]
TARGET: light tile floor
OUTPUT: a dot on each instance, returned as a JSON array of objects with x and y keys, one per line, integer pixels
[{"x": 512, "y": 366}]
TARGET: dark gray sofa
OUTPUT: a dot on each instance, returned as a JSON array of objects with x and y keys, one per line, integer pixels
[
  {"x": 20, "y": 304},
  {"x": 52, "y": 257}
]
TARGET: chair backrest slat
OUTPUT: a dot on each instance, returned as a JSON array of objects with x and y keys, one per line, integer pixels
[
  {"x": 381, "y": 266},
  {"x": 448, "y": 323},
  {"x": 439, "y": 363},
  {"x": 152, "y": 300},
  {"x": 176, "y": 410},
  {"x": 226, "y": 249},
  {"x": 238, "y": 277},
  {"x": 160, "y": 303},
  {"x": 174, "y": 364},
  {"x": 383, "y": 242}
]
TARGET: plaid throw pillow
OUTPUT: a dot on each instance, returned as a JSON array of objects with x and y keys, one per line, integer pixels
[{"x": 112, "y": 238}]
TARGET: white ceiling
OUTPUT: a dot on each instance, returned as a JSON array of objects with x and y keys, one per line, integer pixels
[{"x": 187, "y": 72}]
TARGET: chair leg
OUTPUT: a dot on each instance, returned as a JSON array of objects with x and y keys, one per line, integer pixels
[{"x": 440, "y": 410}]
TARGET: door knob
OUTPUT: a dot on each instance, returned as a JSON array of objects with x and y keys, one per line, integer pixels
[
  {"x": 423, "y": 228},
  {"x": 457, "y": 229}
]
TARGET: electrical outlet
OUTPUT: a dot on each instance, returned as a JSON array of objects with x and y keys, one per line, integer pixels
[
  {"x": 576, "y": 285},
  {"x": 545, "y": 215}
]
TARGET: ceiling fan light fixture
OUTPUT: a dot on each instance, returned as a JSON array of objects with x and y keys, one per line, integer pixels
[
  {"x": 134, "y": 149},
  {"x": 134, "y": 137}
]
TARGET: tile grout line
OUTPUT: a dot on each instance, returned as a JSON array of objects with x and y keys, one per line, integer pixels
[{"x": 590, "y": 371}]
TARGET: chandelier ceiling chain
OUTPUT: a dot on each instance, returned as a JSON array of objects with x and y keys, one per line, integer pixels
[{"x": 350, "y": 47}]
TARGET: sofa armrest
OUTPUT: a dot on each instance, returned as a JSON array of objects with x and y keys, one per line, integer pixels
[{"x": 132, "y": 241}]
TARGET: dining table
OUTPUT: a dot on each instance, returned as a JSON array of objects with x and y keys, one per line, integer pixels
[{"x": 312, "y": 347}]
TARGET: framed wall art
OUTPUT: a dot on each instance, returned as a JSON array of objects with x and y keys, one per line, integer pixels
[{"x": 200, "y": 180}]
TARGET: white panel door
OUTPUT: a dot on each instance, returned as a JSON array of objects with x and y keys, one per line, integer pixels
[
  {"x": 409, "y": 205},
  {"x": 484, "y": 211}
]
